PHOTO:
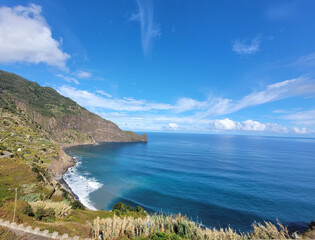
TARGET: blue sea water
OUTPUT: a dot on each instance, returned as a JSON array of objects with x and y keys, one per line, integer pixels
[{"x": 219, "y": 180}]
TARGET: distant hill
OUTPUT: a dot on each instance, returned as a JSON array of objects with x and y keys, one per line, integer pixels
[{"x": 63, "y": 119}]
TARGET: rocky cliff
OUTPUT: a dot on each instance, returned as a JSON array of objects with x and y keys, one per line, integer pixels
[{"x": 62, "y": 118}]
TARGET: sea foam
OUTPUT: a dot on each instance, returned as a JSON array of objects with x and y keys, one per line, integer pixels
[{"x": 81, "y": 184}]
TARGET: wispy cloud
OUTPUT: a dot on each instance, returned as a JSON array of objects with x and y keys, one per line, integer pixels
[
  {"x": 26, "y": 37},
  {"x": 203, "y": 109},
  {"x": 281, "y": 11},
  {"x": 244, "y": 47},
  {"x": 191, "y": 114},
  {"x": 104, "y": 93},
  {"x": 68, "y": 79},
  {"x": 91, "y": 100},
  {"x": 295, "y": 87},
  {"x": 83, "y": 74},
  {"x": 302, "y": 117},
  {"x": 149, "y": 29},
  {"x": 308, "y": 61}
]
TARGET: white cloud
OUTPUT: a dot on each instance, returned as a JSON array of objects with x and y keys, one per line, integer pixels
[
  {"x": 295, "y": 87},
  {"x": 244, "y": 47},
  {"x": 83, "y": 74},
  {"x": 68, "y": 79},
  {"x": 26, "y": 37},
  {"x": 172, "y": 126},
  {"x": 226, "y": 124},
  {"x": 149, "y": 29},
  {"x": 104, "y": 93},
  {"x": 194, "y": 115},
  {"x": 301, "y": 130},
  {"x": 91, "y": 100},
  {"x": 250, "y": 125},
  {"x": 187, "y": 104}
]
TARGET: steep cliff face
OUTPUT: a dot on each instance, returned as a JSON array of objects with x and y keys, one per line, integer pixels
[{"x": 65, "y": 121}]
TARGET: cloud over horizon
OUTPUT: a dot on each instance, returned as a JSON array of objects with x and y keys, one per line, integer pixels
[{"x": 187, "y": 111}]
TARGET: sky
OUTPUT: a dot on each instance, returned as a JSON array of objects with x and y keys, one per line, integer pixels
[{"x": 236, "y": 67}]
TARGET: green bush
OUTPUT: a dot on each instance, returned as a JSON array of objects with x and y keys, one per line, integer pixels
[
  {"x": 50, "y": 215},
  {"x": 47, "y": 215},
  {"x": 77, "y": 205},
  {"x": 139, "y": 209},
  {"x": 164, "y": 236},
  {"x": 40, "y": 214},
  {"x": 39, "y": 178},
  {"x": 28, "y": 210},
  {"x": 119, "y": 206},
  {"x": 35, "y": 169},
  {"x": 65, "y": 194}
]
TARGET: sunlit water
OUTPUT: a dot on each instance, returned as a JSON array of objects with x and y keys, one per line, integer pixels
[{"x": 221, "y": 180}]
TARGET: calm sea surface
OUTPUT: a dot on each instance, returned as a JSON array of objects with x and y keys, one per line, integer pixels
[{"x": 221, "y": 180}]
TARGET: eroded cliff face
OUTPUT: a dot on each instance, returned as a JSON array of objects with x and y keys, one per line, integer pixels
[
  {"x": 62, "y": 118},
  {"x": 59, "y": 166},
  {"x": 87, "y": 127}
]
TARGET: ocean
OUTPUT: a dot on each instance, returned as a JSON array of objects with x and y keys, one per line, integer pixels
[{"x": 217, "y": 180}]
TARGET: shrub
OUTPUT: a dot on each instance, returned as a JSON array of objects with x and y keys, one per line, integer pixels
[
  {"x": 139, "y": 209},
  {"x": 40, "y": 213},
  {"x": 50, "y": 215},
  {"x": 129, "y": 208},
  {"x": 119, "y": 206},
  {"x": 35, "y": 169},
  {"x": 47, "y": 215},
  {"x": 77, "y": 205},
  {"x": 164, "y": 236},
  {"x": 39, "y": 178},
  {"x": 65, "y": 194},
  {"x": 28, "y": 210}
]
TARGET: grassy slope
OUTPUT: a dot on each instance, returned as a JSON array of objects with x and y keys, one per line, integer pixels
[
  {"x": 37, "y": 150},
  {"x": 43, "y": 100}
]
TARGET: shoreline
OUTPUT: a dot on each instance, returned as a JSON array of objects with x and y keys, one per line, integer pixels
[
  {"x": 302, "y": 230},
  {"x": 74, "y": 162}
]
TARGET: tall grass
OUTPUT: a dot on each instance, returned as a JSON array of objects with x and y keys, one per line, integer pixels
[
  {"x": 128, "y": 227},
  {"x": 61, "y": 209}
]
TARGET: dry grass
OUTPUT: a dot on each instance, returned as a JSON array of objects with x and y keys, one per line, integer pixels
[
  {"x": 128, "y": 227},
  {"x": 61, "y": 208}
]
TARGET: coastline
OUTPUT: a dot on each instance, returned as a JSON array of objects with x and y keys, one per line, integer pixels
[
  {"x": 60, "y": 177},
  {"x": 308, "y": 229}
]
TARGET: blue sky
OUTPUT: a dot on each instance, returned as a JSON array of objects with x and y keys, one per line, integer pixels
[{"x": 243, "y": 67}]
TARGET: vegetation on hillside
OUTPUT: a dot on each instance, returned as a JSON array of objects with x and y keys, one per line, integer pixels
[
  {"x": 159, "y": 226},
  {"x": 43, "y": 100}
]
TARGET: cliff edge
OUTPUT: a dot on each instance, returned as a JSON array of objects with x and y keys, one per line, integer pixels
[{"x": 63, "y": 119}]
